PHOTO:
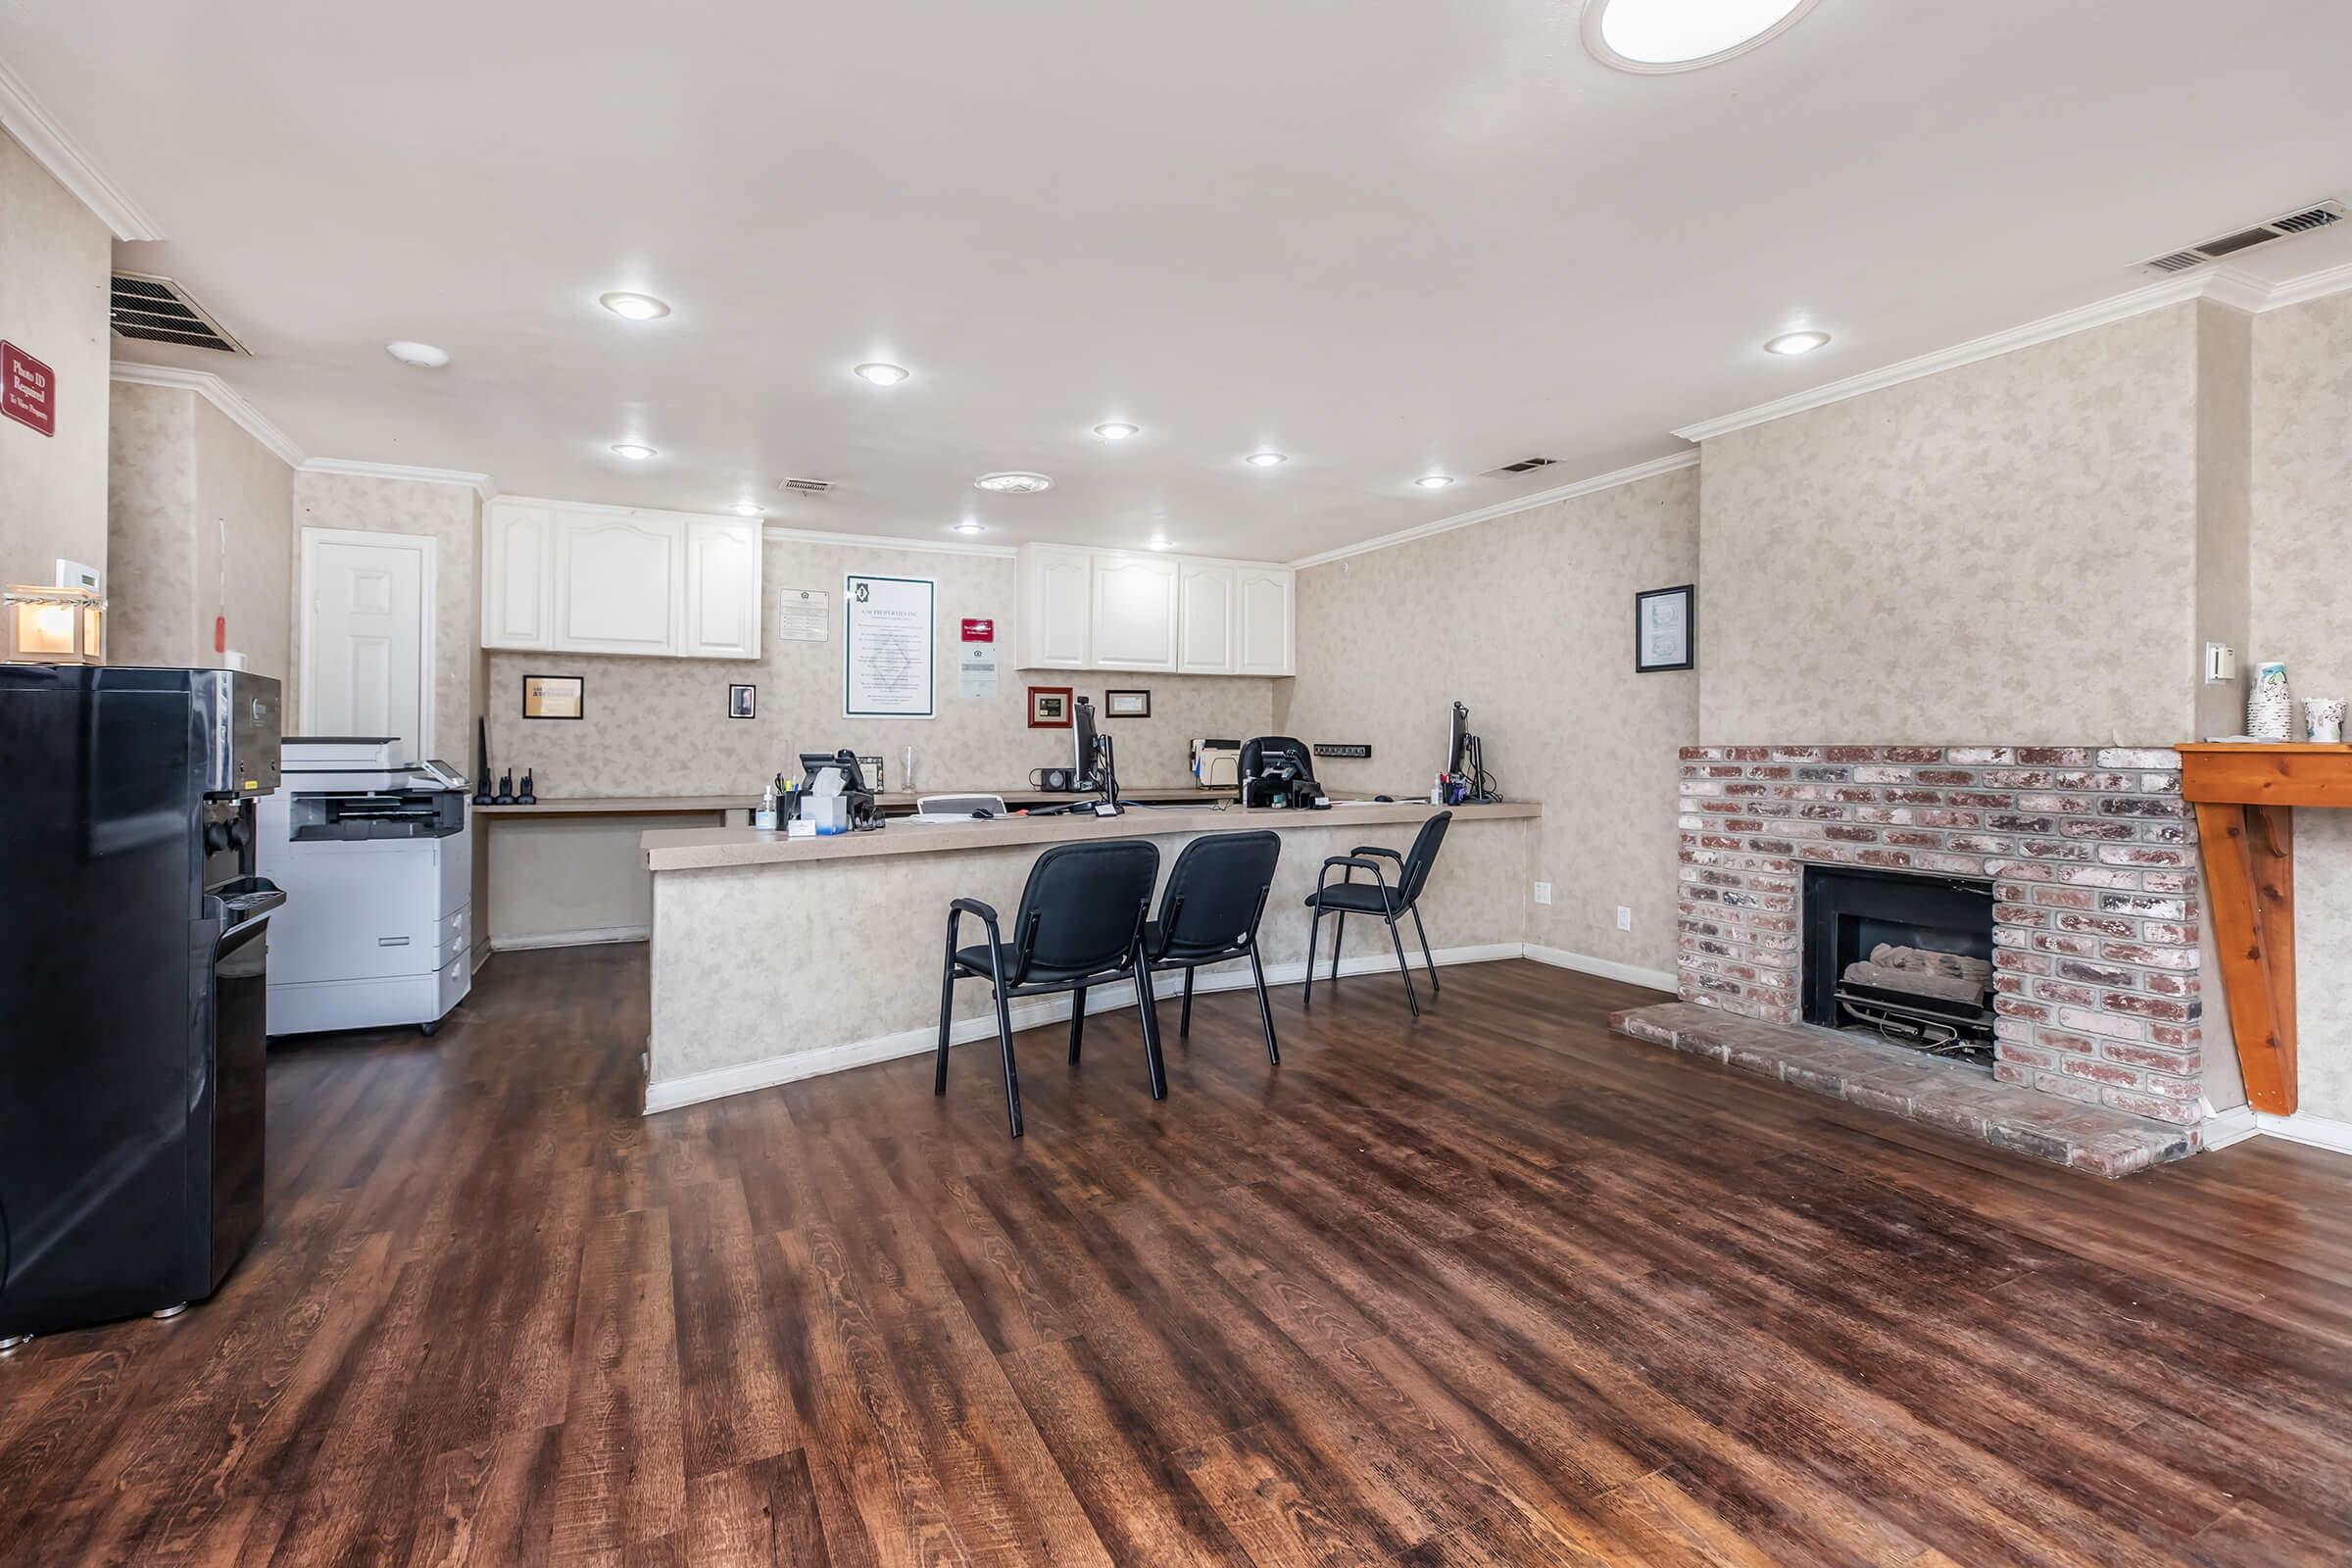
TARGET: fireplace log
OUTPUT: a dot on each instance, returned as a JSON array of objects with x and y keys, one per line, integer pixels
[
  {"x": 1918, "y": 982},
  {"x": 1929, "y": 961}
]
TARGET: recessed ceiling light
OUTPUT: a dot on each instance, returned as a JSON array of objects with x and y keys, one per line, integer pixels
[
  {"x": 1654, "y": 36},
  {"x": 882, "y": 374},
  {"x": 1114, "y": 431},
  {"x": 750, "y": 508},
  {"x": 633, "y": 451},
  {"x": 1265, "y": 460},
  {"x": 1018, "y": 483},
  {"x": 633, "y": 307},
  {"x": 968, "y": 525},
  {"x": 1434, "y": 481},
  {"x": 424, "y": 356},
  {"x": 1797, "y": 342}
]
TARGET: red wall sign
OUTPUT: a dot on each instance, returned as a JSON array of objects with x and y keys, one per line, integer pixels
[
  {"x": 979, "y": 629},
  {"x": 27, "y": 389}
]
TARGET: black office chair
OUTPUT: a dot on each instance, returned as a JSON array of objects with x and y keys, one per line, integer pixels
[
  {"x": 1377, "y": 897},
  {"x": 1209, "y": 913},
  {"x": 1081, "y": 922}
]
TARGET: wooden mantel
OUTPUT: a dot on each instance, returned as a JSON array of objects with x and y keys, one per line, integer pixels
[{"x": 2245, "y": 795}]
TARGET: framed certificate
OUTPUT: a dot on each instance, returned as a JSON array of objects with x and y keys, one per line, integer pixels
[{"x": 1666, "y": 629}]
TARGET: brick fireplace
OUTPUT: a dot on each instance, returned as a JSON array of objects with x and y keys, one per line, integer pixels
[{"x": 2090, "y": 853}]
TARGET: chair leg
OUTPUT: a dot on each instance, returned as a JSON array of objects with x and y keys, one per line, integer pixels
[
  {"x": 1151, "y": 1014},
  {"x": 1012, "y": 1079},
  {"x": 1406, "y": 969},
  {"x": 947, "y": 1008},
  {"x": 1077, "y": 1022},
  {"x": 1431, "y": 963},
  {"x": 1314, "y": 932},
  {"x": 1184, "y": 1025},
  {"x": 1266, "y": 1008},
  {"x": 1339, "y": 940}
]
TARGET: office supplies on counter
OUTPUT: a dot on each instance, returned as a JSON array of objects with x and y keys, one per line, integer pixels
[
  {"x": 132, "y": 1082},
  {"x": 1217, "y": 764},
  {"x": 957, "y": 808},
  {"x": 1275, "y": 771},
  {"x": 839, "y": 777},
  {"x": 377, "y": 856}
]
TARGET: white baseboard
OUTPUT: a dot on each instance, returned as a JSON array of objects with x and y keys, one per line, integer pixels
[
  {"x": 2319, "y": 1131},
  {"x": 2221, "y": 1128},
  {"x": 1606, "y": 968},
  {"x": 571, "y": 939},
  {"x": 721, "y": 1082}
]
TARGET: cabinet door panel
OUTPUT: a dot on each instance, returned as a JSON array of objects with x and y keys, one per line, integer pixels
[
  {"x": 1056, "y": 609},
  {"x": 518, "y": 589},
  {"x": 617, "y": 584},
  {"x": 1135, "y": 613},
  {"x": 722, "y": 590},
  {"x": 1262, "y": 610},
  {"x": 1205, "y": 619}
]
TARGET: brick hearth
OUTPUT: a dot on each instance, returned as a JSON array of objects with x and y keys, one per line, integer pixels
[{"x": 2093, "y": 861}]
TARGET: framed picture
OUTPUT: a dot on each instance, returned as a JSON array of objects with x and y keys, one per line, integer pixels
[
  {"x": 743, "y": 701},
  {"x": 1127, "y": 705},
  {"x": 1666, "y": 629},
  {"x": 554, "y": 696},
  {"x": 1050, "y": 707}
]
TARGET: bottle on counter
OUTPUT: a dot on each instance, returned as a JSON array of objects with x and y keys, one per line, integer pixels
[{"x": 764, "y": 817}]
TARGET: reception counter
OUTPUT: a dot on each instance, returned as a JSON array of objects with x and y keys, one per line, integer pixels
[{"x": 776, "y": 959}]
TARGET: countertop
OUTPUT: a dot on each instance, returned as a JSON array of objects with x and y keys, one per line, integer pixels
[
  {"x": 889, "y": 800},
  {"x": 700, "y": 849}
]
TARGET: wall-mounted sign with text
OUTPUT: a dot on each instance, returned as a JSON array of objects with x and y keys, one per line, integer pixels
[
  {"x": 27, "y": 389},
  {"x": 979, "y": 629}
]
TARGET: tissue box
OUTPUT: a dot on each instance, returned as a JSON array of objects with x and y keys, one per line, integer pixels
[{"x": 830, "y": 813}]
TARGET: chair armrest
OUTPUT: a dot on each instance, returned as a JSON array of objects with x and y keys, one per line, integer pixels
[
  {"x": 1353, "y": 861},
  {"x": 1385, "y": 854},
  {"x": 987, "y": 915}
]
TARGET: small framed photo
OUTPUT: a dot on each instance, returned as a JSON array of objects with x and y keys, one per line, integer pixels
[
  {"x": 1666, "y": 629},
  {"x": 554, "y": 696},
  {"x": 1050, "y": 707},
  {"x": 743, "y": 701},
  {"x": 1127, "y": 705}
]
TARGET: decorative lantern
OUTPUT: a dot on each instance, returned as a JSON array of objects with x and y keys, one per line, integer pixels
[{"x": 54, "y": 627}]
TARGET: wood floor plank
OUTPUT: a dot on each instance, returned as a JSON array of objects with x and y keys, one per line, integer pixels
[{"x": 1490, "y": 1288}]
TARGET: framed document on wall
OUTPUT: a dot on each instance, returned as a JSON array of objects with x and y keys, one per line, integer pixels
[
  {"x": 886, "y": 668},
  {"x": 1666, "y": 629}
]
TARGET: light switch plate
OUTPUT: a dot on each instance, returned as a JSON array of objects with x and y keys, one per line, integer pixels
[
  {"x": 1542, "y": 893},
  {"x": 1624, "y": 918},
  {"x": 2221, "y": 663}
]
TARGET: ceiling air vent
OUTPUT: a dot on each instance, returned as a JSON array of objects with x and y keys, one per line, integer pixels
[
  {"x": 2245, "y": 239},
  {"x": 155, "y": 310},
  {"x": 805, "y": 487},
  {"x": 1524, "y": 465}
]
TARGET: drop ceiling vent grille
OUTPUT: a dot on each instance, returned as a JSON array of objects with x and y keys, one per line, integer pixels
[
  {"x": 2245, "y": 239},
  {"x": 1524, "y": 465},
  {"x": 808, "y": 487},
  {"x": 156, "y": 310}
]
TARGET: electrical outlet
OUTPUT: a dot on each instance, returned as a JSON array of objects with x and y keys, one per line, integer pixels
[
  {"x": 1624, "y": 918},
  {"x": 1542, "y": 893}
]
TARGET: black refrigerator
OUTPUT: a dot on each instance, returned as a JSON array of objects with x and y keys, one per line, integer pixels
[{"x": 134, "y": 952}]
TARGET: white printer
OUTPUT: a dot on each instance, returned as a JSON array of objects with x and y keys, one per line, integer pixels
[{"x": 377, "y": 865}]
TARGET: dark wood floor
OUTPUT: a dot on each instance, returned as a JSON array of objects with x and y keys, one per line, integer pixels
[{"x": 1492, "y": 1289}]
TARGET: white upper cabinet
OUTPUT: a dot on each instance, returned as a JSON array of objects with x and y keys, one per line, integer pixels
[
  {"x": 574, "y": 578},
  {"x": 1135, "y": 613},
  {"x": 1056, "y": 608},
  {"x": 1203, "y": 618},
  {"x": 722, "y": 590},
  {"x": 1114, "y": 610},
  {"x": 517, "y": 591},
  {"x": 1264, "y": 641}
]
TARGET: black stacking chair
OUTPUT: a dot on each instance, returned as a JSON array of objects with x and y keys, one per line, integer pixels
[
  {"x": 1379, "y": 896},
  {"x": 1209, "y": 913},
  {"x": 1081, "y": 922}
]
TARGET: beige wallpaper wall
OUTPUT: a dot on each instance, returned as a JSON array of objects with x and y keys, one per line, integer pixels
[
  {"x": 1528, "y": 621},
  {"x": 196, "y": 527},
  {"x": 54, "y": 261},
  {"x": 657, "y": 726},
  {"x": 451, "y": 515},
  {"x": 2301, "y": 564},
  {"x": 2225, "y": 503},
  {"x": 1878, "y": 570}
]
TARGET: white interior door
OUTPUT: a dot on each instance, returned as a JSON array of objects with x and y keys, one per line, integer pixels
[{"x": 366, "y": 636}]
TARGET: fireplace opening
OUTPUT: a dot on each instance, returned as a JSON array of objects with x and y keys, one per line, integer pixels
[{"x": 1907, "y": 959}]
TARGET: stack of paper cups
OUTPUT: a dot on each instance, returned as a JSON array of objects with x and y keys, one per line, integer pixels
[
  {"x": 2270, "y": 705},
  {"x": 2324, "y": 719}
]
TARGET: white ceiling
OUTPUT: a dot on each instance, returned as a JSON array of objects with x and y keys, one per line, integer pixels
[{"x": 1383, "y": 238}]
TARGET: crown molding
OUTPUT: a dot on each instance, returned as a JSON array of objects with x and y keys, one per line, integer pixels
[
  {"x": 352, "y": 468},
  {"x": 23, "y": 117},
  {"x": 778, "y": 534},
  {"x": 2310, "y": 286},
  {"x": 1504, "y": 509},
  {"x": 221, "y": 395}
]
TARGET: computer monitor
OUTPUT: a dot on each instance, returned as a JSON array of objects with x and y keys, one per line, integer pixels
[
  {"x": 1457, "y": 742},
  {"x": 1082, "y": 741}
]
